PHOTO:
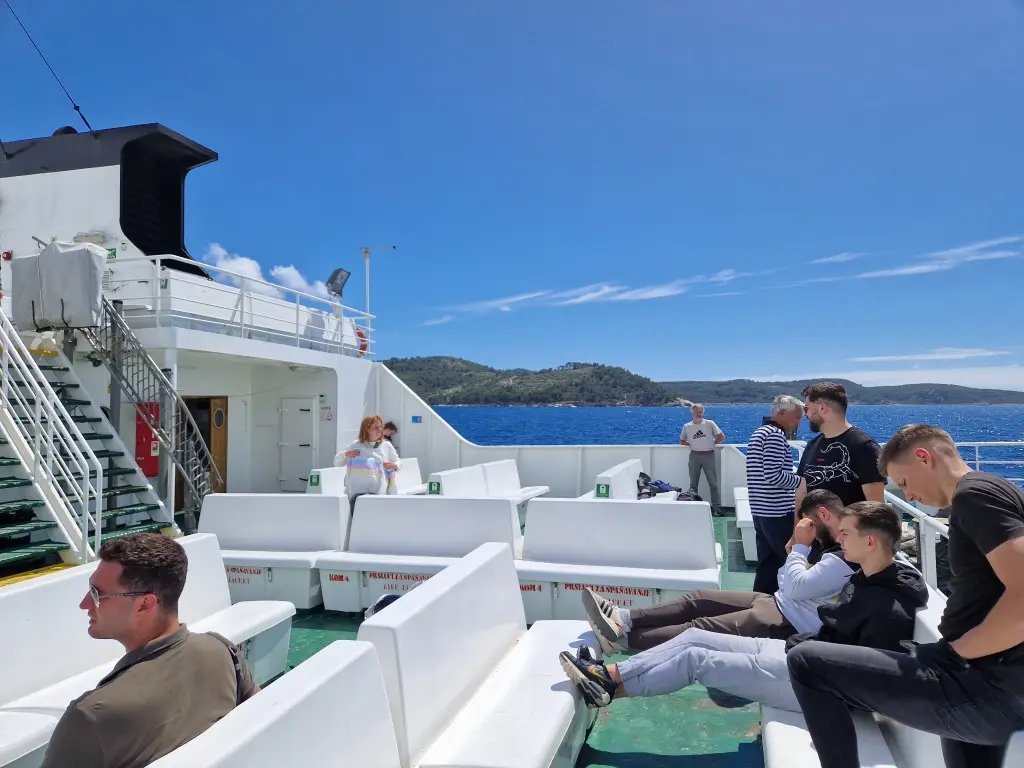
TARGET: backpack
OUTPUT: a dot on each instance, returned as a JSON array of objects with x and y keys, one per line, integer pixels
[
  {"x": 687, "y": 496},
  {"x": 646, "y": 488}
]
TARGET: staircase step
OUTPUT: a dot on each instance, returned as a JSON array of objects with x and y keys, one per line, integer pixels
[
  {"x": 144, "y": 528},
  {"x": 44, "y": 571},
  {"x": 54, "y": 384},
  {"x": 131, "y": 509},
  {"x": 13, "y": 482},
  {"x": 78, "y": 418},
  {"x": 102, "y": 454},
  {"x": 71, "y": 401},
  {"x": 112, "y": 472},
  {"x": 53, "y": 367},
  {"x": 24, "y": 529},
  {"x": 124, "y": 490},
  {"x": 15, "y": 506},
  {"x": 97, "y": 435},
  {"x": 34, "y": 552},
  {"x": 6, "y": 462}
]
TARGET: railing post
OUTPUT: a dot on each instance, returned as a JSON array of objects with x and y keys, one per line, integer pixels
[
  {"x": 117, "y": 367},
  {"x": 977, "y": 458},
  {"x": 927, "y": 555},
  {"x": 298, "y": 305}
]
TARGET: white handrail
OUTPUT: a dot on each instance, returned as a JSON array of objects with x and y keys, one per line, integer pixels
[
  {"x": 930, "y": 530},
  {"x": 47, "y": 430}
]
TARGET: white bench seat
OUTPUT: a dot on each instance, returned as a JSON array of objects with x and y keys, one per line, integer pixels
[
  {"x": 525, "y": 714},
  {"x": 271, "y": 541},
  {"x": 787, "y": 744},
  {"x": 745, "y": 524},
  {"x": 60, "y": 661},
  {"x": 651, "y": 578},
  {"x": 646, "y": 554},
  {"x": 397, "y": 542}
]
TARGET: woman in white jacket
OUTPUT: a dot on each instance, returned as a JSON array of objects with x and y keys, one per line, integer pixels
[{"x": 371, "y": 461}]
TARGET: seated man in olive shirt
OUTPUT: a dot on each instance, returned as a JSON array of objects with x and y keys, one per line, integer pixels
[{"x": 170, "y": 685}]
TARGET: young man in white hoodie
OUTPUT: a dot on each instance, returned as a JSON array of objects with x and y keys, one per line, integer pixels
[{"x": 807, "y": 580}]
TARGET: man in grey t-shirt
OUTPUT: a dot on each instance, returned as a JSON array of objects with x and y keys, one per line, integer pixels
[{"x": 702, "y": 435}]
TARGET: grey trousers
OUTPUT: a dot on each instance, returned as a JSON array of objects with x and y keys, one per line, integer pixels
[
  {"x": 753, "y": 668},
  {"x": 705, "y": 461}
]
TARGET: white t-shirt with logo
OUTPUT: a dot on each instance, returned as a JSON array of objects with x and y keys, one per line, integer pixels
[{"x": 701, "y": 437}]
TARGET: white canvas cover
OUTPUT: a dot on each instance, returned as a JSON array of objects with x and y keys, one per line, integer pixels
[{"x": 61, "y": 287}]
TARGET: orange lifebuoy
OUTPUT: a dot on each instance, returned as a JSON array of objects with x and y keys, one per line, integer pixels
[{"x": 363, "y": 345}]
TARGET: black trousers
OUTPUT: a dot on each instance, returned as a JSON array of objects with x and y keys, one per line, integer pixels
[
  {"x": 975, "y": 707},
  {"x": 772, "y": 534}
]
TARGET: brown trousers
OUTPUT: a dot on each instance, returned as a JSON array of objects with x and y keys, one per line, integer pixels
[{"x": 749, "y": 614}]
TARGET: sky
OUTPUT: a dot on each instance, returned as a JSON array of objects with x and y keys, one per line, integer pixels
[{"x": 691, "y": 190}]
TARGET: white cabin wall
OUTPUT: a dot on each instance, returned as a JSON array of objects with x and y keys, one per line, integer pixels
[{"x": 356, "y": 398}]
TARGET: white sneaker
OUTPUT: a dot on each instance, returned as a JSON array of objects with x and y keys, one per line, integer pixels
[{"x": 605, "y": 618}]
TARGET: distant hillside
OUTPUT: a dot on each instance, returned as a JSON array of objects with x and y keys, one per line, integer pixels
[
  {"x": 747, "y": 391},
  {"x": 453, "y": 381}
]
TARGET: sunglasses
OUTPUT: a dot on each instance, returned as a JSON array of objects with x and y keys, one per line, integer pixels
[{"x": 96, "y": 596}]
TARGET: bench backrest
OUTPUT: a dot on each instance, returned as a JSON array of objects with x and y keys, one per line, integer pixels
[
  {"x": 44, "y": 634},
  {"x": 409, "y": 475},
  {"x": 620, "y": 481},
  {"x": 436, "y": 526},
  {"x": 329, "y": 481},
  {"x": 926, "y": 624},
  {"x": 628, "y": 534},
  {"x": 502, "y": 477},
  {"x": 462, "y": 482},
  {"x": 276, "y": 522},
  {"x": 298, "y": 719},
  {"x": 441, "y": 641}
]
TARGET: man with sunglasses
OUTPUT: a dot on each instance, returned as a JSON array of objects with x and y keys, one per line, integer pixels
[{"x": 169, "y": 687}]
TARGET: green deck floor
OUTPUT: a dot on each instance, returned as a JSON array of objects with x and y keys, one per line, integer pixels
[{"x": 688, "y": 729}]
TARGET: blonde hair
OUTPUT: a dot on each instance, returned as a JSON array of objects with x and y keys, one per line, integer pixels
[{"x": 364, "y": 427}]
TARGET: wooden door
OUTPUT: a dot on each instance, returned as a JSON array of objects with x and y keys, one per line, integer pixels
[{"x": 219, "y": 440}]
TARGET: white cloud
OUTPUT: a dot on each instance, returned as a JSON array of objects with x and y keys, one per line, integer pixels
[
  {"x": 839, "y": 258},
  {"x": 943, "y": 261},
  {"x": 912, "y": 269},
  {"x": 651, "y": 292},
  {"x": 247, "y": 271},
  {"x": 987, "y": 377},
  {"x": 941, "y": 353},
  {"x": 585, "y": 295},
  {"x": 439, "y": 320},
  {"x": 505, "y": 304},
  {"x": 716, "y": 295},
  {"x": 290, "y": 277}
]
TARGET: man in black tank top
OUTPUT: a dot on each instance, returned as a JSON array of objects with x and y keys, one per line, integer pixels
[{"x": 968, "y": 688}]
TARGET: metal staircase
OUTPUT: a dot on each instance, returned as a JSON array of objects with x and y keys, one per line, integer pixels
[
  {"x": 50, "y": 494},
  {"x": 141, "y": 380}
]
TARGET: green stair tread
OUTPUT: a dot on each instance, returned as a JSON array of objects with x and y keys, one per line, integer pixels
[
  {"x": 131, "y": 509},
  {"x": 143, "y": 528},
  {"x": 101, "y": 454},
  {"x": 52, "y": 367},
  {"x": 14, "y": 506},
  {"x": 54, "y": 384},
  {"x": 7, "y": 462},
  {"x": 24, "y": 529},
  {"x": 69, "y": 402},
  {"x": 13, "y": 482},
  {"x": 36, "y": 550},
  {"x": 112, "y": 472},
  {"x": 97, "y": 435},
  {"x": 124, "y": 490},
  {"x": 78, "y": 418}
]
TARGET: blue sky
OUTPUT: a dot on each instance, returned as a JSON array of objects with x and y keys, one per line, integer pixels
[{"x": 690, "y": 190}]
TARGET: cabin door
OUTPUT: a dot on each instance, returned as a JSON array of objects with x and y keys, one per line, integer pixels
[
  {"x": 211, "y": 416},
  {"x": 298, "y": 442}
]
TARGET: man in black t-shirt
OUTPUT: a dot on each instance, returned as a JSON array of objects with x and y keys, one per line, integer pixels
[
  {"x": 841, "y": 458},
  {"x": 968, "y": 688}
]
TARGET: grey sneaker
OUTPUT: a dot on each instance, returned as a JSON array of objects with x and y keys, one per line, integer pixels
[
  {"x": 605, "y": 618},
  {"x": 590, "y": 677}
]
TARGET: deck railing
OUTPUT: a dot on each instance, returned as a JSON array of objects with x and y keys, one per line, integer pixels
[
  {"x": 929, "y": 531},
  {"x": 234, "y": 304}
]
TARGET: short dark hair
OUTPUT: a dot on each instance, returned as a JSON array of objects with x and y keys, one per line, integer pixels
[
  {"x": 910, "y": 437},
  {"x": 150, "y": 562},
  {"x": 819, "y": 497},
  {"x": 834, "y": 394},
  {"x": 391, "y": 425},
  {"x": 878, "y": 518}
]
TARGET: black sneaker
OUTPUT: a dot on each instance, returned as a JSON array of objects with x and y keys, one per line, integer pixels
[{"x": 590, "y": 677}]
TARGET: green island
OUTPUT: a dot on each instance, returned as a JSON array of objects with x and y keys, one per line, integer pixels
[{"x": 454, "y": 381}]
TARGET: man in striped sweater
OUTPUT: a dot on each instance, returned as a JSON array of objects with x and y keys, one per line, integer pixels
[{"x": 772, "y": 486}]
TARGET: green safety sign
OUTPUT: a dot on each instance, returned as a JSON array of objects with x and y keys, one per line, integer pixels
[
  {"x": 435, "y": 488},
  {"x": 314, "y": 479},
  {"x": 602, "y": 490},
  {"x": 111, "y": 254}
]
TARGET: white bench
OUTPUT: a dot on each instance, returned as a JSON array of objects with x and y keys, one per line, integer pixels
[
  {"x": 464, "y": 482},
  {"x": 270, "y": 542},
  {"x": 467, "y": 684},
  {"x": 330, "y": 710},
  {"x": 330, "y": 481},
  {"x": 632, "y": 552},
  {"x": 502, "y": 479},
  {"x": 52, "y": 659},
  {"x": 620, "y": 483},
  {"x": 787, "y": 744},
  {"x": 398, "y": 542},
  {"x": 745, "y": 524}
]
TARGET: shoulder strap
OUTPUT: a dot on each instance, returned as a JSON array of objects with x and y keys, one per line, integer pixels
[{"x": 233, "y": 650}]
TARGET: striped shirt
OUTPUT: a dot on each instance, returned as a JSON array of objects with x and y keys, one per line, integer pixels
[{"x": 771, "y": 481}]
